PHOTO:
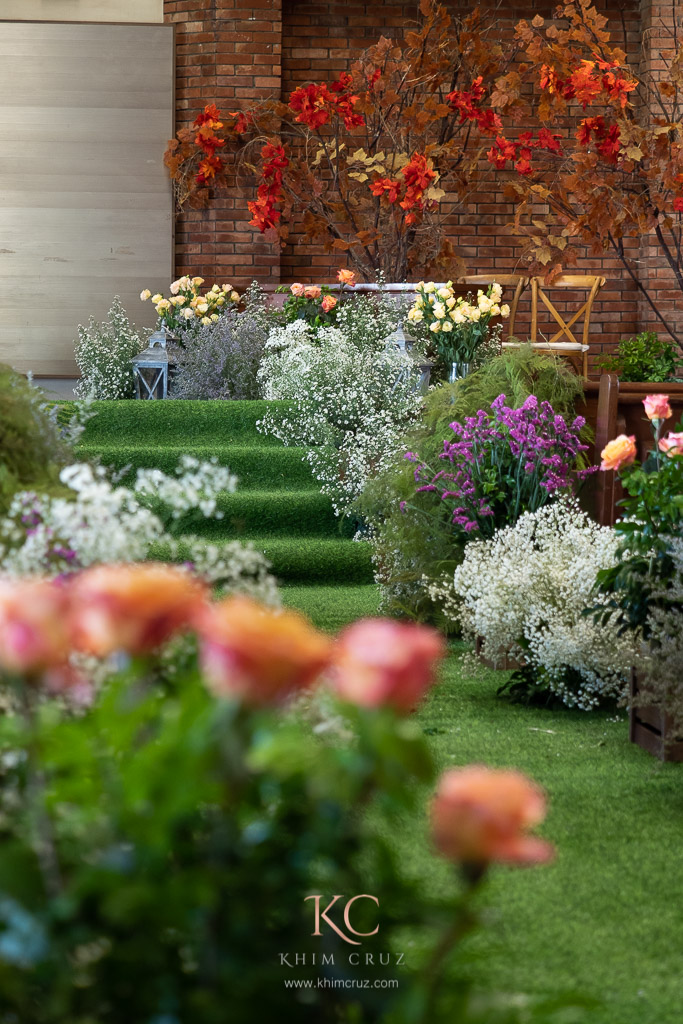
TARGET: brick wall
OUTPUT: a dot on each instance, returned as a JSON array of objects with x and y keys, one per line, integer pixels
[{"x": 233, "y": 54}]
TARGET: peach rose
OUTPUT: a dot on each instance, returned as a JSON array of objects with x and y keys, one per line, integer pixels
[
  {"x": 346, "y": 277},
  {"x": 34, "y": 629},
  {"x": 672, "y": 444},
  {"x": 297, "y": 289},
  {"x": 312, "y": 291},
  {"x": 657, "y": 407},
  {"x": 619, "y": 452},
  {"x": 132, "y": 608},
  {"x": 380, "y": 662},
  {"x": 259, "y": 655},
  {"x": 328, "y": 303},
  {"x": 481, "y": 815}
]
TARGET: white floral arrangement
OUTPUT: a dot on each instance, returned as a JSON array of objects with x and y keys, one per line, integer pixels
[
  {"x": 104, "y": 352},
  {"x": 98, "y": 521},
  {"x": 527, "y": 590},
  {"x": 457, "y": 324},
  {"x": 186, "y": 304},
  {"x": 350, "y": 404}
]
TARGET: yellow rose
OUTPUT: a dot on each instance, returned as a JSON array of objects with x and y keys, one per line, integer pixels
[
  {"x": 157, "y": 298},
  {"x": 447, "y": 326},
  {"x": 187, "y": 313},
  {"x": 175, "y": 287},
  {"x": 227, "y": 288},
  {"x": 197, "y": 281},
  {"x": 235, "y": 296},
  {"x": 436, "y": 326},
  {"x": 505, "y": 310},
  {"x": 203, "y": 307},
  {"x": 214, "y": 317},
  {"x": 144, "y": 295},
  {"x": 220, "y": 302},
  {"x": 206, "y": 320},
  {"x": 619, "y": 452}
]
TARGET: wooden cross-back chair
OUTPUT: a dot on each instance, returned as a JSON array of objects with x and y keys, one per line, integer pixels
[
  {"x": 564, "y": 341},
  {"x": 514, "y": 283}
]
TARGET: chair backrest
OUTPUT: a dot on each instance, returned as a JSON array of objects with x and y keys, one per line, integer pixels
[
  {"x": 515, "y": 283},
  {"x": 568, "y": 282}
]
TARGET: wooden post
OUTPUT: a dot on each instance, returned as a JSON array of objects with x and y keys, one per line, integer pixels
[{"x": 606, "y": 430}]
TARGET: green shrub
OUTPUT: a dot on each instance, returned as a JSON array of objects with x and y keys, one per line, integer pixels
[
  {"x": 647, "y": 358},
  {"x": 414, "y": 543},
  {"x": 30, "y": 444}
]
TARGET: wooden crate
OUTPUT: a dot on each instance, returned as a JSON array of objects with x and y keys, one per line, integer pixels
[{"x": 651, "y": 728}]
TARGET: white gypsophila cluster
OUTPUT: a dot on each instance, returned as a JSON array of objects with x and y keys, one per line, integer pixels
[
  {"x": 348, "y": 407},
  {"x": 102, "y": 523},
  {"x": 104, "y": 352},
  {"x": 195, "y": 485},
  {"x": 235, "y": 567},
  {"x": 526, "y": 592}
]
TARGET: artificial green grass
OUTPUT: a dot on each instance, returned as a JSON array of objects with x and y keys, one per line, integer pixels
[
  {"x": 603, "y": 919},
  {"x": 248, "y": 514},
  {"x": 332, "y": 608},
  {"x": 256, "y": 466},
  {"x": 156, "y": 423},
  {"x": 278, "y": 506}
]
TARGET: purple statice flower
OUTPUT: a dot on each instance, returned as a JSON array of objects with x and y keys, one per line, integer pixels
[{"x": 503, "y": 463}]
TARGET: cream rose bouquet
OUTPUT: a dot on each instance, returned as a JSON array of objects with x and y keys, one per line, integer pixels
[
  {"x": 186, "y": 305},
  {"x": 458, "y": 324}
]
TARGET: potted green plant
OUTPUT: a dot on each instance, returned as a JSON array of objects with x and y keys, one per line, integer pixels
[{"x": 645, "y": 587}]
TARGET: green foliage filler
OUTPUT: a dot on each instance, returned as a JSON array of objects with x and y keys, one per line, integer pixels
[
  {"x": 414, "y": 542},
  {"x": 30, "y": 445},
  {"x": 647, "y": 358}
]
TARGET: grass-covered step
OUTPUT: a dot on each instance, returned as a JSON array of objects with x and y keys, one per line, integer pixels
[
  {"x": 320, "y": 560},
  {"x": 331, "y": 608},
  {"x": 257, "y": 467},
  {"x": 157, "y": 423},
  {"x": 276, "y": 513}
]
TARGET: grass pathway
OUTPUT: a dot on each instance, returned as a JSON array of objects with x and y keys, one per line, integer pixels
[{"x": 603, "y": 920}]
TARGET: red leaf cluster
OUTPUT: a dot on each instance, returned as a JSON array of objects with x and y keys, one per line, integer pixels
[
  {"x": 316, "y": 104},
  {"x": 274, "y": 162}
]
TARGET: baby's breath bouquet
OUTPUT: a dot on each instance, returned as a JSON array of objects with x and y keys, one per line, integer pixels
[
  {"x": 458, "y": 324},
  {"x": 187, "y": 306}
]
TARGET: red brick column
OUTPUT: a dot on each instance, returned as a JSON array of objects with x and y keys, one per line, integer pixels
[
  {"x": 229, "y": 53},
  {"x": 660, "y": 21}
]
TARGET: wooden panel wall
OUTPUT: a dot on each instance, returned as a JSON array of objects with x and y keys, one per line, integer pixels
[
  {"x": 85, "y": 202},
  {"x": 82, "y": 10}
]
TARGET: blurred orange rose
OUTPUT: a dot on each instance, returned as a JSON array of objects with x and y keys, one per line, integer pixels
[
  {"x": 382, "y": 662},
  {"x": 672, "y": 444},
  {"x": 34, "y": 629},
  {"x": 346, "y": 277},
  {"x": 132, "y": 608},
  {"x": 328, "y": 303},
  {"x": 481, "y": 815},
  {"x": 312, "y": 291},
  {"x": 657, "y": 407},
  {"x": 257, "y": 654},
  {"x": 297, "y": 289},
  {"x": 619, "y": 452}
]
